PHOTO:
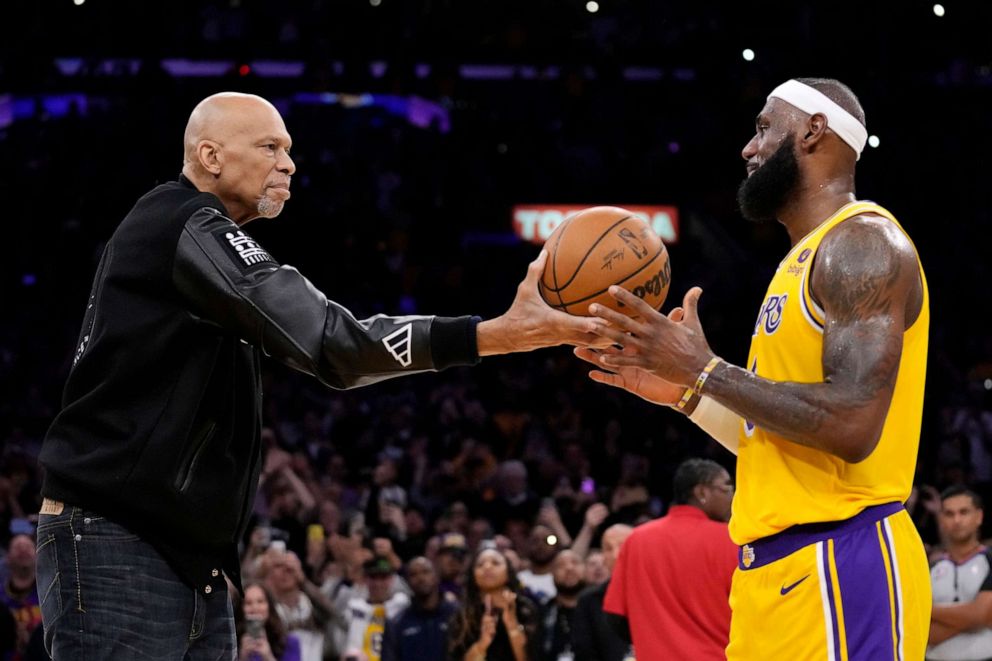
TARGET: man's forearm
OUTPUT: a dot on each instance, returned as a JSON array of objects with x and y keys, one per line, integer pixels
[
  {"x": 939, "y": 633},
  {"x": 961, "y": 617}
]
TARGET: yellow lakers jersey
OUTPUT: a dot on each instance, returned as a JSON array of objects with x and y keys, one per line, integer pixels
[{"x": 783, "y": 483}]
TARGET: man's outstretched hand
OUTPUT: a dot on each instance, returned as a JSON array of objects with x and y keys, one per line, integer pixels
[{"x": 530, "y": 323}]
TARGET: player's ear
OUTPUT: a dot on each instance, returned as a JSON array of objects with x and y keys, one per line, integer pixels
[{"x": 816, "y": 127}]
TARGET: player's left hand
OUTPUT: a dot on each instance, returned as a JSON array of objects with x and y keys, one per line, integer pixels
[
  {"x": 676, "y": 351},
  {"x": 530, "y": 323}
]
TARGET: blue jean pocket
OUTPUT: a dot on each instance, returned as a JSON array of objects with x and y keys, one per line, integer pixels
[{"x": 49, "y": 583}]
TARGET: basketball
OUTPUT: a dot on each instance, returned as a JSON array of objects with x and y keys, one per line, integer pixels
[{"x": 599, "y": 247}]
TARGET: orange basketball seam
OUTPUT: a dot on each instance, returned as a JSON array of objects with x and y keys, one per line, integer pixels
[
  {"x": 582, "y": 261},
  {"x": 586, "y": 298},
  {"x": 554, "y": 263}
]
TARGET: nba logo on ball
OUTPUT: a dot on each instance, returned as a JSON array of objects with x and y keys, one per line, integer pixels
[{"x": 747, "y": 555}]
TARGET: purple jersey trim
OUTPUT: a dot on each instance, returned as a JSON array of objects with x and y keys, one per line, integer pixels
[{"x": 775, "y": 547}]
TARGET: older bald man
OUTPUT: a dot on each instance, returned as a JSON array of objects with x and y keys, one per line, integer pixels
[{"x": 153, "y": 462}]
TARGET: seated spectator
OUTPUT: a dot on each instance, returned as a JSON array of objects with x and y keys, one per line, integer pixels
[
  {"x": 366, "y": 617},
  {"x": 420, "y": 632},
  {"x": 20, "y": 592},
  {"x": 414, "y": 533},
  {"x": 542, "y": 547},
  {"x": 261, "y": 633},
  {"x": 594, "y": 637},
  {"x": 450, "y": 562},
  {"x": 596, "y": 571},
  {"x": 496, "y": 621},
  {"x": 557, "y": 616},
  {"x": 478, "y": 530},
  {"x": 514, "y": 500},
  {"x": 302, "y": 608}
]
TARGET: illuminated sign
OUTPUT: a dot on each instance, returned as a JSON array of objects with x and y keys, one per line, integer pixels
[{"x": 536, "y": 222}]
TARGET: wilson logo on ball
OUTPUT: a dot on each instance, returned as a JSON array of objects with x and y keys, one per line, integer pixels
[
  {"x": 599, "y": 247},
  {"x": 656, "y": 284}
]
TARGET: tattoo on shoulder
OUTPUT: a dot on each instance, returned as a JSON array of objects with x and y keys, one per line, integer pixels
[{"x": 861, "y": 273}]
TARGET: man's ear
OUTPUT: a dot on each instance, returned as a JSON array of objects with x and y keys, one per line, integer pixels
[
  {"x": 816, "y": 127},
  {"x": 208, "y": 153}
]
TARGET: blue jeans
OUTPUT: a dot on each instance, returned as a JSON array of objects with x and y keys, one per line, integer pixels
[{"x": 107, "y": 594}]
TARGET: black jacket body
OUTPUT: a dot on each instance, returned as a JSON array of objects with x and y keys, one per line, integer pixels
[{"x": 160, "y": 419}]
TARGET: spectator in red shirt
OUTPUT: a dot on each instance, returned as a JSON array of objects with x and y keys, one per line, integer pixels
[{"x": 672, "y": 579}]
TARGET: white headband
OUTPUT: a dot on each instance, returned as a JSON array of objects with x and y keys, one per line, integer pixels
[{"x": 812, "y": 101}]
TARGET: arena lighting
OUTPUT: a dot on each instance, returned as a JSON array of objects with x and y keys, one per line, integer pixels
[
  {"x": 78, "y": 3},
  {"x": 375, "y": 3},
  {"x": 592, "y": 6},
  {"x": 535, "y": 222},
  {"x": 748, "y": 55},
  {"x": 988, "y": 384},
  {"x": 551, "y": 540},
  {"x": 873, "y": 141},
  {"x": 938, "y": 10}
]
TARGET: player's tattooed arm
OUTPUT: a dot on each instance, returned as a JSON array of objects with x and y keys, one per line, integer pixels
[{"x": 866, "y": 279}]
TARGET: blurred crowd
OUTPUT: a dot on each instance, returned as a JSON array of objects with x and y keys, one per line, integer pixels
[{"x": 425, "y": 498}]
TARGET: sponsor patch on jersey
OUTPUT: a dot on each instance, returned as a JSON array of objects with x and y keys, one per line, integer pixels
[{"x": 245, "y": 251}]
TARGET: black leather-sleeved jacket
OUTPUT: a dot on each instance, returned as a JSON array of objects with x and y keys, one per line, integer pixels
[{"x": 160, "y": 420}]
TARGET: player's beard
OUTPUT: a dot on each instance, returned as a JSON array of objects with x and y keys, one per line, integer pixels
[{"x": 762, "y": 195}]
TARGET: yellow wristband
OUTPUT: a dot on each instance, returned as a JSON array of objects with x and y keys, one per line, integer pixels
[
  {"x": 686, "y": 396},
  {"x": 705, "y": 374}
]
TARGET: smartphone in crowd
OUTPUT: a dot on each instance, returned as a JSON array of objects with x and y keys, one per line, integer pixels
[{"x": 254, "y": 627}]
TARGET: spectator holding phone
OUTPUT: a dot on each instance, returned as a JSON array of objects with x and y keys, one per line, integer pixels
[{"x": 261, "y": 634}]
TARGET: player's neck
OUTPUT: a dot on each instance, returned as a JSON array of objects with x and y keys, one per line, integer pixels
[
  {"x": 813, "y": 204},
  {"x": 961, "y": 552}
]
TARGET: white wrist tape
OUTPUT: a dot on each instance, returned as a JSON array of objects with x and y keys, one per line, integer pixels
[
  {"x": 718, "y": 421},
  {"x": 812, "y": 101}
]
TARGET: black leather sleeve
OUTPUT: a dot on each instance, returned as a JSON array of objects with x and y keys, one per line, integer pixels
[{"x": 228, "y": 279}]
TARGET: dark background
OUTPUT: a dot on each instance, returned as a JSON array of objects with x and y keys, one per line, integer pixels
[{"x": 390, "y": 217}]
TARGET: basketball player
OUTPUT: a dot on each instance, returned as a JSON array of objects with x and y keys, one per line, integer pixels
[
  {"x": 153, "y": 462},
  {"x": 825, "y": 415}
]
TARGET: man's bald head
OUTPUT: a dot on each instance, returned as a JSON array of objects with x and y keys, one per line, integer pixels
[
  {"x": 220, "y": 116},
  {"x": 236, "y": 146},
  {"x": 613, "y": 539}
]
